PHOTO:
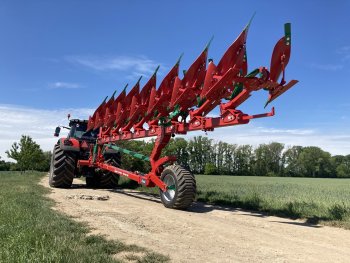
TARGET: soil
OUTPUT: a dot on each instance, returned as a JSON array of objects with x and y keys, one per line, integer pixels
[{"x": 204, "y": 233}]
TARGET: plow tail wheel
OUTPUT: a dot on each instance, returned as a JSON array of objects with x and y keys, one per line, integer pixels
[
  {"x": 62, "y": 168},
  {"x": 181, "y": 190}
]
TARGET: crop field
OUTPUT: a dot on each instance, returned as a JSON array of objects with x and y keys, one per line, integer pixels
[
  {"x": 30, "y": 231},
  {"x": 315, "y": 199}
]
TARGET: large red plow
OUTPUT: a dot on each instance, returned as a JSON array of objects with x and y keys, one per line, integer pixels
[{"x": 181, "y": 105}]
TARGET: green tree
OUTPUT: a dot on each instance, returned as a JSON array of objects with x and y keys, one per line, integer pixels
[
  {"x": 179, "y": 148},
  {"x": 45, "y": 163},
  {"x": 275, "y": 163},
  {"x": 314, "y": 162},
  {"x": 230, "y": 158},
  {"x": 201, "y": 152},
  {"x": 243, "y": 160},
  {"x": 210, "y": 169},
  {"x": 221, "y": 153},
  {"x": 268, "y": 159},
  {"x": 133, "y": 164},
  {"x": 343, "y": 168},
  {"x": 291, "y": 161},
  {"x": 4, "y": 166},
  {"x": 28, "y": 155}
]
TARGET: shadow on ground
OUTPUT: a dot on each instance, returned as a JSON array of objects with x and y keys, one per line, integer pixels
[{"x": 201, "y": 207}]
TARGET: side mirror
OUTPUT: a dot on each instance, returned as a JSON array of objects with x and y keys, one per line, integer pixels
[{"x": 57, "y": 132}]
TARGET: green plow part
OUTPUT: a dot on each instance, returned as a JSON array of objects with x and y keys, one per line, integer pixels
[
  {"x": 200, "y": 101},
  {"x": 287, "y": 34},
  {"x": 253, "y": 73},
  {"x": 208, "y": 45},
  {"x": 267, "y": 103},
  {"x": 94, "y": 153},
  {"x": 166, "y": 121},
  {"x": 131, "y": 153},
  {"x": 238, "y": 89}
]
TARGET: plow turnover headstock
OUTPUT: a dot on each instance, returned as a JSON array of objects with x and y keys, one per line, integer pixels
[{"x": 180, "y": 105}]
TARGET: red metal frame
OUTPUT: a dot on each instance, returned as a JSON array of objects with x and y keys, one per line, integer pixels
[{"x": 203, "y": 88}]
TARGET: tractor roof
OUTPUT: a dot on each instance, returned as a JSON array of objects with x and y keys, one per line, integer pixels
[{"x": 77, "y": 121}]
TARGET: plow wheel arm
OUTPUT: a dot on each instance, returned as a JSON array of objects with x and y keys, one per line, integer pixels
[{"x": 181, "y": 187}]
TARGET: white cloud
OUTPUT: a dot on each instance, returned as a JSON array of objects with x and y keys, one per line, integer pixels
[
  {"x": 37, "y": 123},
  {"x": 344, "y": 49},
  {"x": 286, "y": 131},
  {"x": 137, "y": 65},
  {"x": 64, "y": 85},
  {"x": 40, "y": 125},
  {"x": 344, "y": 52}
]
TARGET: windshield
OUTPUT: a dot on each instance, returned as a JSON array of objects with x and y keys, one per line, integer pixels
[{"x": 77, "y": 130}]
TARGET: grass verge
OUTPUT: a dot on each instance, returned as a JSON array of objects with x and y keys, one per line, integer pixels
[{"x": 30, "y": 231}]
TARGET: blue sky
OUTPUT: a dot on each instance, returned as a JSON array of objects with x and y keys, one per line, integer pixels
[{"x": 66, "y": 56}]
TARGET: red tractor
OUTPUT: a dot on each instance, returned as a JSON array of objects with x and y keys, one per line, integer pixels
[
  {"x": 177, "y": 106},
  {"x": 77, "y": 146}
]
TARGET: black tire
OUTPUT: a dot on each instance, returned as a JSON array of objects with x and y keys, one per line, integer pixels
[
  {"x": 105, "y": 179},
  {"x": 62, "y": 168},
  {"x": 113, "y": 158},
  {"x": 92, "y": 181},
  {"x": 184, "y": 184},
  {"x": 108, "y": 180}
]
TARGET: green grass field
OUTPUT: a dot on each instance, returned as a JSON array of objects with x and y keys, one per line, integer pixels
[
  {"x": 312, "y": 198},
  {"x": 30, "y": 231},
  {"x": 318, "y": 200}
]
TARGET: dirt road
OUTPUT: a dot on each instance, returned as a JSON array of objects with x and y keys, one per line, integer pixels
[{"x": 205, "y": 233}]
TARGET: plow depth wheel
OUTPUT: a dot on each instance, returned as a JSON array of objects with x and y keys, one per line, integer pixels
[{"x": 181, "y": 190}]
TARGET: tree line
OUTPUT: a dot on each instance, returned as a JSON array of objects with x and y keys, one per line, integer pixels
[{"x": 204, "y": 156}]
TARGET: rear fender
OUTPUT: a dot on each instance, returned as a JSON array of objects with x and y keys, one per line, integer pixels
[{"x": 71, "y": 144}]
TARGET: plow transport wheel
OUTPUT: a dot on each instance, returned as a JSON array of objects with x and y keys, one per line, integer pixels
[
  {"x": 62, "y": 168},
  {"x": 181, "y": 190}
]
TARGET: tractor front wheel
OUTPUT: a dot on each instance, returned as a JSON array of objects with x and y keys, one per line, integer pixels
[
  {"x": 181, "y": 187},
  {"x": 62, "y": 168}
]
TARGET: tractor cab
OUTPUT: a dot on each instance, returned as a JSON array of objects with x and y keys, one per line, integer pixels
[{"x": 77, "y": 129}]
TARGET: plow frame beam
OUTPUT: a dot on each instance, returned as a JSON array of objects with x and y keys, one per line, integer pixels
[{"x": 228, "y": 118}]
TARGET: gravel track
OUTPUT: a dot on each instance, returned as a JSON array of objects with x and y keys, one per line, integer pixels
[{"x": 205, "y": 233}]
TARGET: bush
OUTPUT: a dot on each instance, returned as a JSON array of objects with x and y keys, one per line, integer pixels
[{"x": 210, "y": 169}]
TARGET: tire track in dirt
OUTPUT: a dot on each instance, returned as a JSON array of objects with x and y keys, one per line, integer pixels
[{"x": 205, "y": 233}]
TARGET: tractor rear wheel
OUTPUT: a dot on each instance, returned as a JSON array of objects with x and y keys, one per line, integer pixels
[
  {"x": 181, "y": 190},
  {"x": 62, "y": 168},
  {"x": 103, "y": 178}
]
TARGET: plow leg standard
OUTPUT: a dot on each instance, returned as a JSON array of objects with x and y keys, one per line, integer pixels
[{"x": 179, "y": 106}]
